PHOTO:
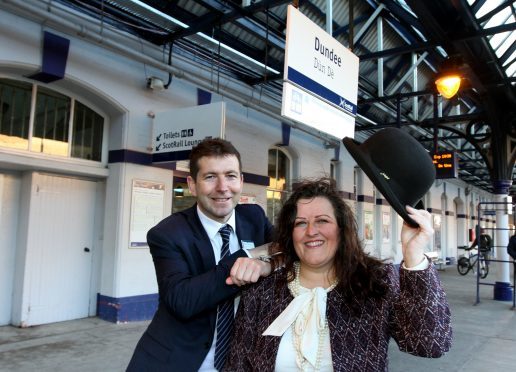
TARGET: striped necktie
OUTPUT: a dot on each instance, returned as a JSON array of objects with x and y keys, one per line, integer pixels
[{"x": 224, "y": 312}]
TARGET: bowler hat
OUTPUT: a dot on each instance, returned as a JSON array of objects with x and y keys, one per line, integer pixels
[{"x": 398, "y": 165}]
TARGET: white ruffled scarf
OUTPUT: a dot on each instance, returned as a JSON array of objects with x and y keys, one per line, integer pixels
[{"x": 308, "y": 311}]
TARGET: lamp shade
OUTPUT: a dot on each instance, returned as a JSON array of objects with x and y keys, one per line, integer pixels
[{"x": 448, "y": 85}]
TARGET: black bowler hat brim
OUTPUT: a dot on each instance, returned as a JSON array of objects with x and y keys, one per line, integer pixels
[{"x": 367, "y": 165}]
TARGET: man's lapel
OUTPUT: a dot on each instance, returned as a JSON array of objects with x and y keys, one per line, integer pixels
[
  {"x": 243, "y": 228},
  {"x": 200, "y": 239}
]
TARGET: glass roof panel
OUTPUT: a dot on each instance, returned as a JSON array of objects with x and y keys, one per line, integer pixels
[
  {"x": 500, "y": 42},
  {"x": 486, "y": 7}
]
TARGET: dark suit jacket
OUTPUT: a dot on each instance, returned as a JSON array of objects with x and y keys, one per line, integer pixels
[
  {"x": 414, "y": 312},
  {"x": 191, "y": 286}
]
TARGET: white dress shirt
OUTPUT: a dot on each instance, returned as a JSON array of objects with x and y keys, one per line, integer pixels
[{"x": 212, "y": 229}]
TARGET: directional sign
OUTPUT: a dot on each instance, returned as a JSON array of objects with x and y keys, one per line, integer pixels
[{"x": 175, "y": 132}]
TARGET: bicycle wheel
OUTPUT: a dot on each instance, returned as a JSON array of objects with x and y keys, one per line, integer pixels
[{"x": 463, "y": 265}]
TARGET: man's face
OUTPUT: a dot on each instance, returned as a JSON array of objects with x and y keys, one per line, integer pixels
[{"x": 218, "y": 186}]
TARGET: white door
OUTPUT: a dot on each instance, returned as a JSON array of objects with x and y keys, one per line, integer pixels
[{"x": 59, "y": 249}]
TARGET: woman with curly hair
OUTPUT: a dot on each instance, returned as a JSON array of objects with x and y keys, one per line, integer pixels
[{"x": 330, "y": 306}]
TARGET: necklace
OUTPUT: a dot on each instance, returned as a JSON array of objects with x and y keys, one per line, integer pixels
[{"x": 298, "y": 327}]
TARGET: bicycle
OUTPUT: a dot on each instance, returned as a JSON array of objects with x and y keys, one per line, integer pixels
[{"x": 469, "y": 262}]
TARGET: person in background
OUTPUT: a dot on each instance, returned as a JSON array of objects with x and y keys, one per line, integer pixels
[
  {"x": 329, "y": 306},
  {"x": 511, "y": 247},
  {"x": 201, "y": 257},
  {"x": 486, "y": 242}
]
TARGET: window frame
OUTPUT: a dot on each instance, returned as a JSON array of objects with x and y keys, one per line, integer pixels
[
  {"x": 73, "y": 100},
  {"x": 284, "y": 194}
]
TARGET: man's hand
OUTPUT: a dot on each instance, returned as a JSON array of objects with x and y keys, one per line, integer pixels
[{"x": 247, "y": 270}]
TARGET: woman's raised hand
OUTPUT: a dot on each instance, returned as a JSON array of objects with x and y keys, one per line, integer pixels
[{"x": 415, "y": 239}]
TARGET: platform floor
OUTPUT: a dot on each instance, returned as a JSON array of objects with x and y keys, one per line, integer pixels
[{"x": 484, "y": 339}]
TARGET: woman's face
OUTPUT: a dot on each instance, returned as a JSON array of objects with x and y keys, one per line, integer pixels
[{"x": 316, "y": 233}]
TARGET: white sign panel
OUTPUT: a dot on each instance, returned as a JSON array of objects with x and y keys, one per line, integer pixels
[
  {"x": 310, "y": 110},
  {"x": 320, "y": 65},
  {"x": 175, "y": 132}
]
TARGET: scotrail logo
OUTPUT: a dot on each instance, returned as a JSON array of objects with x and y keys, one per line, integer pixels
[{"x": 345, "y": 105}]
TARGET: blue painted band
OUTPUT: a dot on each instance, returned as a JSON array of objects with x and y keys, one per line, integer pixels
[
  {"x": 365, "y": 198},
  {"x": 285, "y": 134},
  {"x": 256, "y": 179},
  {"x": 203, "y": 97},
  {"x": 126, "y": 309},
  {"x": 380, "y": 201},
  {"x": 347, "y": 195},
  {"x": 320, "y": 90},
  {"x": 434, "y": 210},
  {"x": 502, "y": 186},
  {"x": 135, "y": 157},
  {"x": 55, "y": 55},
  {"x": 171, "y": 156},
  {"x": 129, "y": 156}
]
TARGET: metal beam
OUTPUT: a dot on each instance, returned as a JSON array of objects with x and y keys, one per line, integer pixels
[
  {"x": 431, "y": 45},
  {"x": 211, "y": 19}
]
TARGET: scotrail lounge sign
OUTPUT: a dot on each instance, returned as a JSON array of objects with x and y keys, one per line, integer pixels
[
  {"x": 176, "y": 131},
  {"x": 321, "y": 78}
]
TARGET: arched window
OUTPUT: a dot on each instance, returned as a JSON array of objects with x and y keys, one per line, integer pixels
[
  {"x": 279, "y": 181},
  {"x": 38, "y": 119}
]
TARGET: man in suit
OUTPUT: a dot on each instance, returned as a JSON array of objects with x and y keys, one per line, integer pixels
[{"x": 193, "y": 280}]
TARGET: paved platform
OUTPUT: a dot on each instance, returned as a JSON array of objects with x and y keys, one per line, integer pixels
[{"x": 484, "y": 339}]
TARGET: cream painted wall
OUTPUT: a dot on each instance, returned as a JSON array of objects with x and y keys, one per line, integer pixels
[{"x": 114, "y": 86}]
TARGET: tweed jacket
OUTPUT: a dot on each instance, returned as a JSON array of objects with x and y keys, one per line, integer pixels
[{"x": 414, "y": 313}]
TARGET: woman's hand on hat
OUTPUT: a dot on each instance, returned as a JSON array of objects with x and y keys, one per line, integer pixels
[{"x": 415, "y": 239}]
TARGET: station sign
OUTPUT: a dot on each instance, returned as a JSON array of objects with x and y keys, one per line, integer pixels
[
  {"x": 176, "y": 131},
  {"x": 446, "y": 164},
  {"x": 321, "y": 78}
]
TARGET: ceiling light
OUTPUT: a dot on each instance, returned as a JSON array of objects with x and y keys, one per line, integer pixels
[{"x": 448, "y": 85}]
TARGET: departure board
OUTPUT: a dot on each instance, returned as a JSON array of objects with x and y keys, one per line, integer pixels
[{"x": 446, "y": 164}]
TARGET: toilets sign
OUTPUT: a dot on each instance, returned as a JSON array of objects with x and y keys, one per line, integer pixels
[
  {"x": 175, "y": 132},
  {"x": 321, "y": 78},
  {"x": 175, "y": 140}
]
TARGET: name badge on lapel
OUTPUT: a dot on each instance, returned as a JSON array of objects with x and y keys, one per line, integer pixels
[{"x": 247, "y": 244}]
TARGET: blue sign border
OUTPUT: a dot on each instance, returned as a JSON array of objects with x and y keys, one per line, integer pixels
[{"x": 311, "y": 85}]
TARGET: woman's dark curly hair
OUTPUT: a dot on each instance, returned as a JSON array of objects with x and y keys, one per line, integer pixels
[{"x": 359, "y": 274}]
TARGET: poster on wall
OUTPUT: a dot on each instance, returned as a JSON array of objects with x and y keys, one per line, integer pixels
[
  {"x": 437, "y": 232},
  {"x": 147, "y": 207},
  {"x": 386, "y": 227},
  {"x": 368, "y": 225}
]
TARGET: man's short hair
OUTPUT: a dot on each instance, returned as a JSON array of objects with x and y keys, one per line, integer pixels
[{"x": 212, "y": 147}]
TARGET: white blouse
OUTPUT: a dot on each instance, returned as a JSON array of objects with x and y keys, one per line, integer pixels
[
  {"x": 305, "y": 337},
  {"x": 286, "y": 359}
]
